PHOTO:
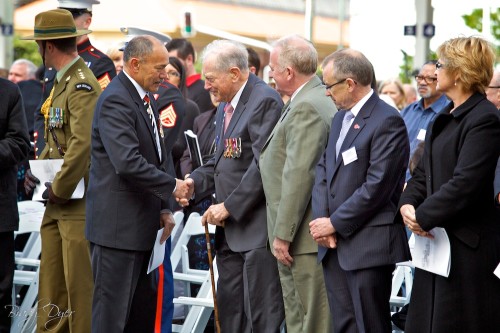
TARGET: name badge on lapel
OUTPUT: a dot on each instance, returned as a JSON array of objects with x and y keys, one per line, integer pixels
[{"x": 349, "y": 155}]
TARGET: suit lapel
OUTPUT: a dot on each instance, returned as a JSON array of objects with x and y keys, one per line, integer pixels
[
  {"x": 219, "y": 128},
  {"x": 237, "y": 113},
  {"x": 286, "y": 109},
  {"x": 142, "y": 110},
  {"x": 312, "y": 83},
  {"x": 356, "y": 128}
]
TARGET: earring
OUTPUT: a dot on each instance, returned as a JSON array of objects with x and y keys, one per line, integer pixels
[{"x": 455, "y": 83}]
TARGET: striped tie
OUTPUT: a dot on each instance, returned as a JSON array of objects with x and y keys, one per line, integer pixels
[
  {"x": 153, "y": 123},
  {"x": 150, "y": 112}
]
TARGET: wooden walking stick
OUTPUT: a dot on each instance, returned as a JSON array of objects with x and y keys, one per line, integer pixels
[{"x": 211, "y": 267}]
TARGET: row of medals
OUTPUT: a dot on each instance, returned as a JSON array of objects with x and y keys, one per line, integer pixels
[
  {"x": 232, "y": 148},
  {"x": 56, "y": 117}
]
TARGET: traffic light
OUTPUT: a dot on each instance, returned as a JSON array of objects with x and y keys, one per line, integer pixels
[{"x": 187, "y": 30}]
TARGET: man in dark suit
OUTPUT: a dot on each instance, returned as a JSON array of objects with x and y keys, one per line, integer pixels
[
  {"x": 356, "y": 195},
  {"x": 249, "y": 292},
  {"x": 128, "y": 191},
  {"x": 14, "y": 147}
]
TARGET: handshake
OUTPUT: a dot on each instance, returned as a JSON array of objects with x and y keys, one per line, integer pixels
[{"x": 184, "y": 191}]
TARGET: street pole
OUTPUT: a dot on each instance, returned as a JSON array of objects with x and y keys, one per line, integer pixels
[
  {"x": 308, "y": 19},
  {"x": 341, "y": 24},
  {"x": 6, "y": 33},
  {"x": 424, "y": 17}
]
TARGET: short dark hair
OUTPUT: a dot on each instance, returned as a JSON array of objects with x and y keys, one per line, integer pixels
[
  {"x": 77, "y": 11},
  {"x": 138, "y": 47},
  {"x": 65, "y": 45},
  {"x": 183, "y": 48},
  {"x": 253, "y": 60}
]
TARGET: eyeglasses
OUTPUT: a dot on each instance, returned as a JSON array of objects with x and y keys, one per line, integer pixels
[
  {"x": 439, "y": 65},
  {"x": 494, "y": 87},
  {"x": 176, "y": 74},
  {"x": 334, "y": 84},
  {"x": 427, "y": 79}
]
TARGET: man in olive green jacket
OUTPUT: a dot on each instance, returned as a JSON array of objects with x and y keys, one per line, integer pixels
[
  {"x": 65, "y": 272},
  {"x": 287, "y": 163}
]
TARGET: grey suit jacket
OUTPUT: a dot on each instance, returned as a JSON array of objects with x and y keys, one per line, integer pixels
[
  {"x": 361, "y": 197},
  {"x": 237, "y": 181},
  {"x": 128, "y": 183},
  {"x": 287, "y": 165}
]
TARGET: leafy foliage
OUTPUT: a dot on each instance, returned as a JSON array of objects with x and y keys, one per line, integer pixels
[{"x": 26, "y": 49}]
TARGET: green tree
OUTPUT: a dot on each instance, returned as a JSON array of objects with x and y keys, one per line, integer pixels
[
  {"x": 475, "y": 21},
  {"x": 26, "y": 49}
]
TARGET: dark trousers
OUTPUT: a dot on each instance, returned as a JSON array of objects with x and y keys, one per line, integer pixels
[
  {"x": 249, "y": 294},
  {"x": 6, "y": 279},
  {"x": 124, "y": 294},
  {"x": 358, "y": 299}
]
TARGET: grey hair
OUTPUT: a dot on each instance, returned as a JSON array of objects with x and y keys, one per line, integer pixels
[
  {"x": 351, "y": 63},
  {"x": 30, "y": 67},
  {"x": 229, "y": 54},
  {"x": 298, "y": 53},
  {"x": 138, "y": 47}
]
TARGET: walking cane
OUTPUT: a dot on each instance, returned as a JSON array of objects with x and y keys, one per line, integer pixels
[{"x": 211, "y": 267}]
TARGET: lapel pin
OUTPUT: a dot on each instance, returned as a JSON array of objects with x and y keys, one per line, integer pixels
[{"x": 356, "y": 126}]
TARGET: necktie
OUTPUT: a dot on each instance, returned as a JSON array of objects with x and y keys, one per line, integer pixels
[
  {"x": 153, "y": 123},
  {"x": 346, "y": 123},
  {"x": 228, "y": 113},
  {"x": 150, "y": 112},
  {"x": 285, "y": 106}
]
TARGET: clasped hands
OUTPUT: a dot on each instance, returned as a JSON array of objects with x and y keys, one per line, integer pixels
[
  {"x": 323, "y": 232},
  {"x": 184, "y": 191},
  {"x": 409, "y": 218}
]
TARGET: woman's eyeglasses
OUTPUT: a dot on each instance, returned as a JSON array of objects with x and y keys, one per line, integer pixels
[{"x": 176, "y": 74}]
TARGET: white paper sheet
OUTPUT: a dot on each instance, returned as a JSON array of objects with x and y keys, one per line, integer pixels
[
  {"x": 158, "y": 253},
  {"x": 46, "y": 170},
  {"x": 497, "y": 271},
  {"x": 432, "y": 255}
]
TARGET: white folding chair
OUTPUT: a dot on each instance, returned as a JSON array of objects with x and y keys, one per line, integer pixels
[
  {"x": 30, "y": 220},
  {"x": 402, "y": 284},
  {"x": 27, "y": 265},
  {"x": 200, "y": 307},
  {"x": 184, "y": 276}
]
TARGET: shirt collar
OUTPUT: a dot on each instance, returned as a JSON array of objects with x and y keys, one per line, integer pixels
[
  {"x": 297, "y": 91},
  {"x": 62, "y": 71},
  {"x": 139, "y": 89},
  {"x": 356, "y": 108},
  {"x": 236, "y": 97}
]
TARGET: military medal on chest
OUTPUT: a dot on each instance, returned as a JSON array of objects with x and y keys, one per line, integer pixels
[
  {"x": 232, "y": 148},
  {"x": 56, "y": 117}
]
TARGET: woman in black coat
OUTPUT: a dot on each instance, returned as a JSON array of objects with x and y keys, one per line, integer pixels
[{"x": 452, "y": 188}]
